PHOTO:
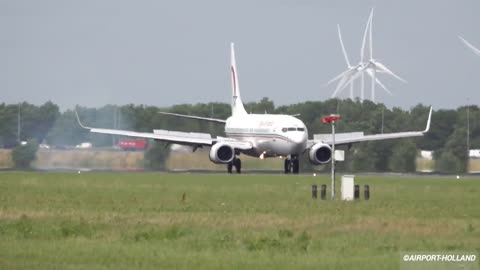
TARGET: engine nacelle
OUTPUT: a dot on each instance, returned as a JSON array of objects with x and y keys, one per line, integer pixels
[
  {"x": 320, "y": 153},
  {"x": 221, "y": 153}
]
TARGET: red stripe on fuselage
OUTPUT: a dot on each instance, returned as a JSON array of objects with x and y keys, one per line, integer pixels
[
  {"x": 261, "y": 136},
  {"x": 234, "y": 82}
]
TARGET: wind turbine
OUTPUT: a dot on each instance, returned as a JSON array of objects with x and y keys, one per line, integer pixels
[
  {"x": 346, "y": 75},
  {"x": 470, "y": 46},
  {"x": 371, "y": 67}
]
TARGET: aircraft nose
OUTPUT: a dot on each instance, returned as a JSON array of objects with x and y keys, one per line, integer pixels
[{"x": 300, "y": 140}]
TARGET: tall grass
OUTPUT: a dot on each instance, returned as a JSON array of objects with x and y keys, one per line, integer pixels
[
  {"x": 199, "y": 160},
  {"x": 474, "y": 165},
  {"x": 6, "y": 161},
  {"x": 92, "y": 159},
  {"x": 424, "y": 165},
  {"x": 185, "y": 221}
]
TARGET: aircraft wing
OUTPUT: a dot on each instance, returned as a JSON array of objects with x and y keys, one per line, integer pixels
[
  {"x": 215, "y": 120},
  {"x": 354, "y": 137},
  {"x": 183, "y": 138}
]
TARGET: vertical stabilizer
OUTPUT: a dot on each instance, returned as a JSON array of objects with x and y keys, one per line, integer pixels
[{"x": 237, "y": 105}]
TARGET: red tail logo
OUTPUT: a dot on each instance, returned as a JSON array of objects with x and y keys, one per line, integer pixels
[{"x": 234, "y": 82}]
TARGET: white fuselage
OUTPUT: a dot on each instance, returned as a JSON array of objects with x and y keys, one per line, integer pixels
[{"x": 270, "y": 134}]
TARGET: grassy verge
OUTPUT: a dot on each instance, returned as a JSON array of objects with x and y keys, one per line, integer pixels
[{"x": 183, "y": 221}]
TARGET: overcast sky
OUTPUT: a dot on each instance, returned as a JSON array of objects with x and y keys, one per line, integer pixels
[{"x": 97, "y": 52}]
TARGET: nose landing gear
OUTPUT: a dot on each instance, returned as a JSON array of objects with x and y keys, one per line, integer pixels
[{"x": 292, "y": 164}]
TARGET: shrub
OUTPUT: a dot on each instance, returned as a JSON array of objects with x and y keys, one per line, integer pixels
[
  {"x": 156, "y": 156},
  {"x": 24, "y": 155}
]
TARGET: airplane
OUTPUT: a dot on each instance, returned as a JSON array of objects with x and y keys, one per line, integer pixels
[{"x": 258, "y": 135}]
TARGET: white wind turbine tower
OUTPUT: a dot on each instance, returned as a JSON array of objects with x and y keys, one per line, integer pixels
[{"x": 373, "y": 66}]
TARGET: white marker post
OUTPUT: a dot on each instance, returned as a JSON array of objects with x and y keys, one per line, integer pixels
[{"x": 331, "y": 120}]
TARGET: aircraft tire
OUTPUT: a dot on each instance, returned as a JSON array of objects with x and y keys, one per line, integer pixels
[
  {"x": 238, "y": 165},
  {"x": 287, "y": 166},
  {"x": 295, "y": 166}
]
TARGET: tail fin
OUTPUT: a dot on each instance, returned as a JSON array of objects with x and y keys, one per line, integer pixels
[{"x": 237, "y": 105}]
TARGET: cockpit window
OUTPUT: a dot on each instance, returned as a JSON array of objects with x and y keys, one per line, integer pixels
[{"x": 292, "y": 129}]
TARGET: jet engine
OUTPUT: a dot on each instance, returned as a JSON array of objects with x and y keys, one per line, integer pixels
[
  {"x": 320, "y": 153},
  {"x": 221, "y": 153}
]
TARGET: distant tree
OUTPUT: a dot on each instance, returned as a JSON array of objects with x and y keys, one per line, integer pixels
[
  {"x": 442, "y": 126},
  {"x": 264, "y": 105},
  {"x": 24, "y": 155},
  {"x": 8, "y": 124},
  {"x": 447, "y": 162},
  {"x": 403, "y": 157},
  {"x": 363, "y": 158},
  {"x": 36, "y": 121},
  {"x": 457, "y": 146},
  {"x": 66, "y": 130},
  {"x": 156, "y": 156},
  {"x": 447, "y": 133}
]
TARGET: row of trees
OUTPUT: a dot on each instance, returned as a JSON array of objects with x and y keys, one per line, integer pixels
[{"x": 447, "y": 137}]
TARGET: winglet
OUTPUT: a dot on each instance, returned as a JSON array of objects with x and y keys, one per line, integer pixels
[
  {"x": 428, "y": 121},
  {"x": 78, "y": 120}
]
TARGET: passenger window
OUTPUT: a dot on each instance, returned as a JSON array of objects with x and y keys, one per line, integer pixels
[
  {"x": 300, "y": 129},
  {"x": 284, "y": 129},
  {"x": 292, "y": 129}
]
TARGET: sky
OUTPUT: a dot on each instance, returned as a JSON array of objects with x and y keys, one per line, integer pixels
[{"x": 162, "y": 53}]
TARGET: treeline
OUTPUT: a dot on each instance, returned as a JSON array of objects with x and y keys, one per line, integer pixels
[{"x": 447, "y": 136}]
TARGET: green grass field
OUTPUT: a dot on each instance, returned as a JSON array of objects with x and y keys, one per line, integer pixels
[{"x": 216, "y": 221}]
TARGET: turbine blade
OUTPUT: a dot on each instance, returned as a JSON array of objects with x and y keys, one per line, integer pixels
[
  {"x": 344, "y": 81},
  {"x": 354, "y": 74},
  {"x": 383, "y": 86},
  {"x": 343, "y": 47},
  {"x": 381, "y": 67},
  {"x": 470, "y": 46},
  {"x": 370, "y": 35},
  {"x": 370, "y": 73},
  {"x": 339, "y": 89},
  {"x": 365, "y": 37},
  {"x": 336, "y": 78}
]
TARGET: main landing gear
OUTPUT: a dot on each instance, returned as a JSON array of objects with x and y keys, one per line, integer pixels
[
  {"x": 292, "y": 164},
  {"x": 237, "y": 163}
]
